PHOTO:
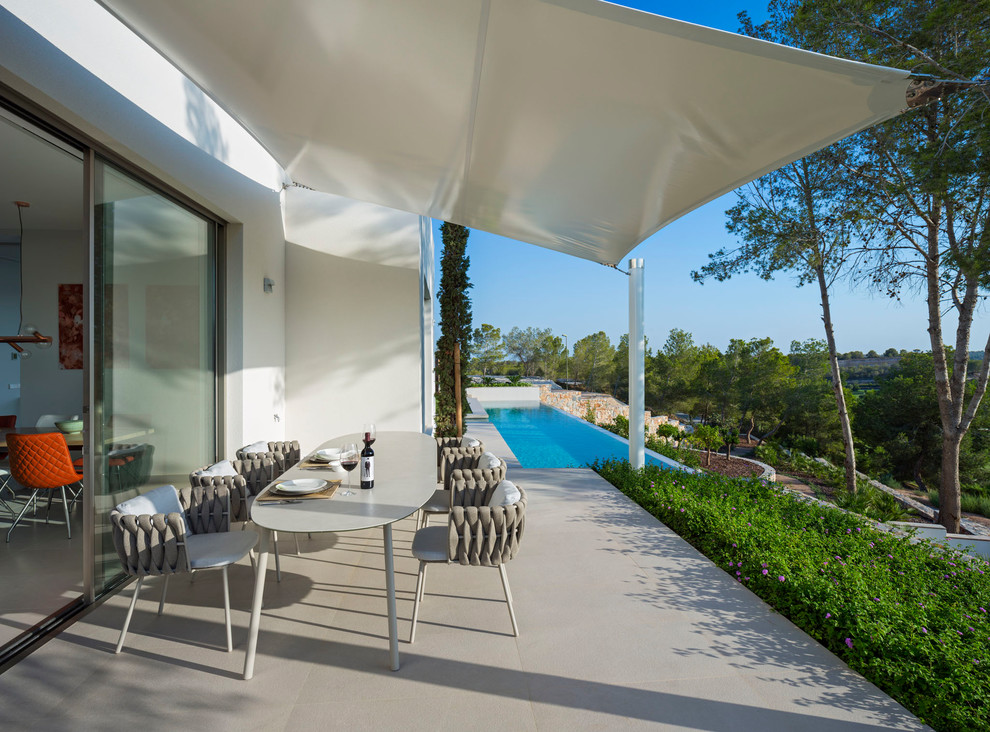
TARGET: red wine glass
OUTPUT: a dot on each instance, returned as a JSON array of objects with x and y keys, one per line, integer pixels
[{"x": 349, "y": 458}]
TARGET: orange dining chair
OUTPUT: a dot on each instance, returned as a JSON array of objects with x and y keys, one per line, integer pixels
[{"x": 42, "y": 463}]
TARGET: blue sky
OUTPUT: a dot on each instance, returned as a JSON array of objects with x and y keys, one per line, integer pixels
[{"x": 517, "y": 284}]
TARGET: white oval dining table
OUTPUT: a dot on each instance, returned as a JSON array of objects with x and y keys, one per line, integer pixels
[{"x": 405, "y": 478}]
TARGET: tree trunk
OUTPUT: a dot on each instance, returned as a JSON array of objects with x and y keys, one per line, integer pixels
[
  {"x": 949, "y": 403},
  {"x": 840, "y": 397},
  {"x": 752, "y": 426},
  {"x": 949, "y": 501},
  {"x": 771, "y": 433}
]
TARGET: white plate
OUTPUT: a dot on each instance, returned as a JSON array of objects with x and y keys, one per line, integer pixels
[
  {"x": 300, "y": 485},
  {"x": 330, "y": 455}
]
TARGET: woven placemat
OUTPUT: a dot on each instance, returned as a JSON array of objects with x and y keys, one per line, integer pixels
[
  {"x": 324, "y": 493},
  {"x": 315, "y": 464}
]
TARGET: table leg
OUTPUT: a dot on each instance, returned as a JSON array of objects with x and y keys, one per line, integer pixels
[
  {"x": 393, "y": 624},
  {"x": 259, "y": 590}
]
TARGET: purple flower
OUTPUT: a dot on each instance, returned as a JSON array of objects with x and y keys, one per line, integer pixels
[
  {"x": 924, "y": 630},
  {"x": 739, "y": 574},
  {"x": 731, "y": 564},
  {"x": 828, "y": 615},
  {"x": 781, "y": 578},
  {"x": 766, "y": 571},
  {"x": 682, "y": 510},
  {"x": 849, "y": 642}
]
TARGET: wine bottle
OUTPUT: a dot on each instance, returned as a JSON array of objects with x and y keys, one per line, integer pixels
[{"x": 367, "y": 467}]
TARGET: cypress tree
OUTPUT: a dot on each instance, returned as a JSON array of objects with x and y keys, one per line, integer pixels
[{"x": 455, "y": 326}]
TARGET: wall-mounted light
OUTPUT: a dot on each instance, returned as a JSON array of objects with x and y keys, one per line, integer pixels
[{"x": 269, "y": 285}]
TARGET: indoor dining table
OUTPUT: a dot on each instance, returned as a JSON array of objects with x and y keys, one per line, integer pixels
[{"x": 405, "y": 478}]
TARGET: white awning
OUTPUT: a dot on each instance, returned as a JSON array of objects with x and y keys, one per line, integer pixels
[{"x": 576, "y": 125}]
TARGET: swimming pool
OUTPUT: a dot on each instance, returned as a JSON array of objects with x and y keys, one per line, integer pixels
[{"x": 543, "y": 437}]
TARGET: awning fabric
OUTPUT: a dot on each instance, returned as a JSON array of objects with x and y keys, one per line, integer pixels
[{"x": 576, "y": 125}]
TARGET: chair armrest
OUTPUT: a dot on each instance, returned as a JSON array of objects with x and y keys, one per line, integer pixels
[
  {"x": 485, "y": 536},
  {"x": 151, "y": 544},
  {"x": 257, "y": 473},
  {"x": 236, "y": 485},
  {"x": 456, "y": 457},
  {"x": 473, "y": 487},
  {"x": 283, "y": 454},
  {"x": 207, "y": 508},
  {"x": 287, "y": 454}
]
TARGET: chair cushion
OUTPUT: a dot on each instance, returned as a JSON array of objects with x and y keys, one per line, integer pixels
[
  {"x": 469, "y": 442},
  {"x": 222, "y": 469},
  {"x": 439, "y": 502},
  {"x": 219, "y": 548},
  {"x": 488, "y": 461},
  {"x": 505, "y": 494},
  {"x": 164, "y": 499},
  {"x": 430, "y": 544},
  {"x": 255, "y": 447}
]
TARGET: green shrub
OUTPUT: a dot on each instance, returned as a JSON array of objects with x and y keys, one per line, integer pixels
[
  {"x": 670, "y": 432},
  {"x": 682, "y": 455},
  {"x": 620, "y": 426},
  {"x": 871, "y": 502},
  {"x": 972, "y": 503},
  {"x": 807, "y": 445},
  {"x": 768, "y": 453},
  {"x": 910, "y": 618}
]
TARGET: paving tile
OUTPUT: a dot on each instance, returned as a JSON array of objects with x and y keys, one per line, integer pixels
[{"x": 622, "y": 624}]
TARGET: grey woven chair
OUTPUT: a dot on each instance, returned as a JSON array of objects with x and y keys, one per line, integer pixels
[
  {"x": 283, "y": 454},
  {"x": 461, "y": 468},
  {"x": 252, "y": 477},
  {"x": 452, "y": 446},
  {"x": 165, "y": 532},
  {"x": 476, "y": 534}
]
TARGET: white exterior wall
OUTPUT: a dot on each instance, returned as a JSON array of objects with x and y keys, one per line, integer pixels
[
  {"x": 490, "y": 394},
  {"x": 353, "y": 335},
  {"x": 144, "y": 111},
  {"x": 61, "y": 55}
]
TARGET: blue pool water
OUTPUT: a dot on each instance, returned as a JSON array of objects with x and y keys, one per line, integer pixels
[{"x": 543, "y": 437}]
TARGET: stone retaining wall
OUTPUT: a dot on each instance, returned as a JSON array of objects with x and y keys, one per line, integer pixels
[{"x": 604, "y": 407}]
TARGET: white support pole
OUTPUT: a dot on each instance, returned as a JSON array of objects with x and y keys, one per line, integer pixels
[
  {"x": 637, "y": 367},
  {"x": 426, "y": 356}
]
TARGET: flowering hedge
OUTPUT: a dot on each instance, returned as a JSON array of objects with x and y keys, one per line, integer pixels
[{"x": 911, "y": 618}]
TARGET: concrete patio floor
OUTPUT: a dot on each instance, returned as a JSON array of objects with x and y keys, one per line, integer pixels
[{"x": 622, "y": 626}]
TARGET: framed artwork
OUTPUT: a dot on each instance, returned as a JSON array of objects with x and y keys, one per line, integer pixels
[{"x": 70, "y": 327}]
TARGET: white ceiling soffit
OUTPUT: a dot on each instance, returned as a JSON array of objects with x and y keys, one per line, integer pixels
[{"x": 576, "y": 125}]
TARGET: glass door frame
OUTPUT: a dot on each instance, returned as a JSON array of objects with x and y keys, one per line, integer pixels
[{"x": 94, "y": 469}]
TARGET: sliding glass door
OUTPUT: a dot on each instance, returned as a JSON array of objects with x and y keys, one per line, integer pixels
[{"x": 155, "y": 354}]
